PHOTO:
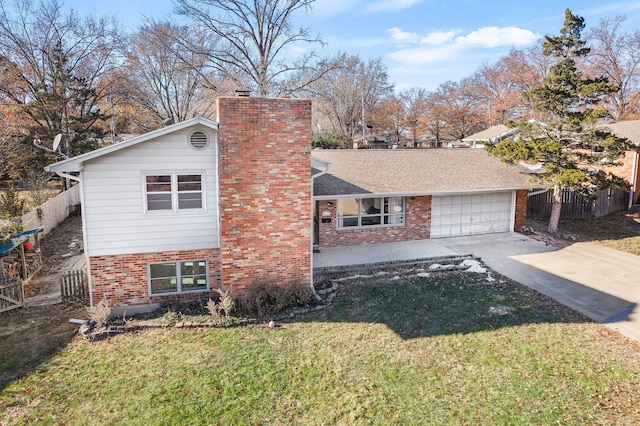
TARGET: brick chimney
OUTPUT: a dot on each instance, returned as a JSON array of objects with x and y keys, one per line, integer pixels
[{"x": 264, "y": 190}]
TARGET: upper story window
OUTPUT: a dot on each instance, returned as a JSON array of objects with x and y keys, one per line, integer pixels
[
  {"x": 365, "y": 212},
  {"x": 174, "y": 192}
]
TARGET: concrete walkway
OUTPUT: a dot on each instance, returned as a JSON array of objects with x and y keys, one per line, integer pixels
[
  {"x": 50, "y": 284},
  {"x": 599, "y": 282}
]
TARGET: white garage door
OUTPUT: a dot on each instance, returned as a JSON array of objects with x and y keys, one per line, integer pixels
[{"x": 456, "y": 215}]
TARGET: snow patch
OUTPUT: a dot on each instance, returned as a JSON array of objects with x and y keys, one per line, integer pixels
[
  {"x": 439, "y": 267},
  {"x": 500, "y": 310},
  {"x": 473, "y": 266}
]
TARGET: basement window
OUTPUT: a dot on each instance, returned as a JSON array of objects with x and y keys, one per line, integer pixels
[
  {"x": 178, "y": 277},
  {"x": 370, "y": 212}
]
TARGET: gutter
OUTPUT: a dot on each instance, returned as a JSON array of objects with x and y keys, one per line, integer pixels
[
  {"x": 67, "y": 176},
  {"x": 634, "y": 173}
]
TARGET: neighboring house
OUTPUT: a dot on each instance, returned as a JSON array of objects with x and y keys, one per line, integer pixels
[
  {"x": 627, "y": 167},
  {"x": 368, "y": 197},
  {"x": 180, "y": 211},
  {"x": 492, "y": 134}
]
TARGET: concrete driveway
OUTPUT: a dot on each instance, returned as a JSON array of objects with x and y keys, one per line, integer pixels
[{"x": 601, "y": 283}]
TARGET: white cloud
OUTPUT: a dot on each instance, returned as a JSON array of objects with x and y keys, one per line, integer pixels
[
  {"x": 425, "y": 55},
  {"x": 495, "y": 37},
  {"x": 402, "y": 36},
  {"x": 439, "y": 37}
]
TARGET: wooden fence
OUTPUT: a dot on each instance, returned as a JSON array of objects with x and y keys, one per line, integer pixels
[
  {"x": 52, "y": 211},
  {"x": 574, "y": 206},
  {"x": 74, "y": 285},
  {"x": 11, "y": 294}
]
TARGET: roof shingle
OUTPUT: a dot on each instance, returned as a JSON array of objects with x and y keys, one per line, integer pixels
[{"x": 428, "y": 171}]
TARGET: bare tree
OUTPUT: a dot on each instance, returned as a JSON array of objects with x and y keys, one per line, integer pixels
[
  {"x": 416, "y": 104},
  {"x": 436, "y": 116},
  {"x": 389, "y": 118},
  {"x": 348, "y": 88},
  {"x": 256, "y": 37},
  {"x": 616, "y": 55},
  {"x": 460, "y": 108},
  {"x": 170, "y": 83}
]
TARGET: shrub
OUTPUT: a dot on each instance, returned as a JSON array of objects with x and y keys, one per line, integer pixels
[
  {"x": 225, "y": 304},
  {"x": 266, "y": 299},
  {"x": 100, "y": 312}
]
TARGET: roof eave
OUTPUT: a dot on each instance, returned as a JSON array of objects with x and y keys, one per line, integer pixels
[
  {"x": 74, "y": 164},
  {"x": 418, "y": 193}
]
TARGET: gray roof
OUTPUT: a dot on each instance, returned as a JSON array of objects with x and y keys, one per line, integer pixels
[
  {"x": 629, "y": 129},
  {"x": 488, "y": 134},
  {"x": 416, "y": 172}
]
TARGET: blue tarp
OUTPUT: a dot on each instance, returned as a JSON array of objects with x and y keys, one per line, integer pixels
[{"x": 18, "y": 239}]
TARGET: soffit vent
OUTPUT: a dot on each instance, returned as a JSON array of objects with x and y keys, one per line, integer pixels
[{"x": 198, "y": 140}]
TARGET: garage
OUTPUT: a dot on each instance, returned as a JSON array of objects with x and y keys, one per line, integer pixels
[{"x": 457, "y": 215}]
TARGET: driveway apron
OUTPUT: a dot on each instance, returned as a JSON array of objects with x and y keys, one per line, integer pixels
[{"x": 599, "y": 282}]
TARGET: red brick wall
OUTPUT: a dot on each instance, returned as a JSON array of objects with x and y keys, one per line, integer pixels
[
  {"x": 521, "y": 209},
  {"x": 624, "y": 169},
  {"x": 417, "y": 226},
  {"x": 123, "y": 280},
  {"x": 265, "y": 190}
]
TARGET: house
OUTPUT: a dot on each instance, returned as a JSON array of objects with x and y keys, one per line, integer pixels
[
  {"x": 369, "y": 197},
  {"x": 175, "y": 213},
  {"x": 492, "y": 134},
  {"x": 627, "y": 167},
  {"x": 178, "y": 212}
]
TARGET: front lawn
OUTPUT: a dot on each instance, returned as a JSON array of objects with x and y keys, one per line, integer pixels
[{"x": 455, "y": 348}]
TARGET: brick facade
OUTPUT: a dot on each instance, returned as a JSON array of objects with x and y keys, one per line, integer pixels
[
  {"x": 122, "y": 279},
  {"x": 265, "y": 190},
  {"x": 521, "y": 210},
  {"x": 417, "y": 226}
]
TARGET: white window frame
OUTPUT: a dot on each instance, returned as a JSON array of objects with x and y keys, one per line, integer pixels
[
  {"x": 394, "y": 218},
  {"x": 175, "y": 192},
  {"x": 178, "y": 278}
]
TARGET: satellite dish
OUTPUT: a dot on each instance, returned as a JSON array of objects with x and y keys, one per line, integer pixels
[{"x": 56, "y": 141}]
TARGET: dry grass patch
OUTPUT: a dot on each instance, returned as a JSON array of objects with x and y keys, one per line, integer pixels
[{"x": 620, "y": 230}]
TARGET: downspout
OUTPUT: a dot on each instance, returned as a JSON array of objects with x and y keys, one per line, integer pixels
[
  {"x": 324, "y": 172},
  {"x": 634, "y": 176}
]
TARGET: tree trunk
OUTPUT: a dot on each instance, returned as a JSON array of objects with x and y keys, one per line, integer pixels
[{"x": 556, "y": 208}]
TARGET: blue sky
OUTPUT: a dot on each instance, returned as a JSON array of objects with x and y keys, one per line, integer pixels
[{"x": 423, "y": 43}]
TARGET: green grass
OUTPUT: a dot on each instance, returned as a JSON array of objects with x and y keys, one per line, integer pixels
[{"x": 389, "y": 351}]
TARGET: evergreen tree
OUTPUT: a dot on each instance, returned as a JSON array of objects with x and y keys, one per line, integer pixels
[{"x": 570, "y": 144}]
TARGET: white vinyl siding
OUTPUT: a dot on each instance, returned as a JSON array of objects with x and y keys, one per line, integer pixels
[
  {"x": 117, "y": 221},
  {"x": 459, "y": 215}
]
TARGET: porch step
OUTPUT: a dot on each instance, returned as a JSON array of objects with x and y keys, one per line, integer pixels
[{"x": 325, "y": 273}]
